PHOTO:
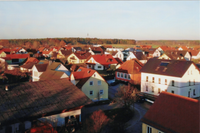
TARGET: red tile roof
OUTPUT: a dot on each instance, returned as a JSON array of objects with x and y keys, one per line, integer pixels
[
  {"x": 131, "y": 67},
  {"x": 175, "y": 68},
  {"x": 184, "y": 47},
  {"x": 104, "y": 59},
  {"x": 194, "y": 52},
  {"x": 41, "y": 49},
  {"x": 16, "y": 56},
  {"x": 83, "y": 73},
  {"x": 84, "y": 55},
  {"x": 6, "y": 50},
  {"x": 173, "y": 113},
  {"x": 31, "y": 60},
  {"x": 167, "y": 48}
]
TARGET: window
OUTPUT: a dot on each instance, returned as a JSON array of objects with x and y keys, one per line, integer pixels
[
  {"x": 159, "y": 81},
  {"x": 158, "y": 90},
  {"x": 149, "y": 129},
  {"x": 91, "y": 92},
  {"x": 91, "y": 83},
  {"x": 101, "y": 92},
  {"x": 118, "y": 74},
  {"x": 146, "y": 88},
  {"x": 125, "y": 76},
  {"x": 172, "y": 82},
  {"x": 194, "y": 92},
  {"x": 194, "y": 82},
  {"x": 165, "y": 81},
  {"x": 99, "y": 66},
  {"x": 152, "y": 79},
  {"x": 189, "y": 82},
  {"x": 79, "y": 70},
  {"x": 129, "y": 77},
  {"x": 146, "y": 78},
  {"x": 188, "y": 93},
  {"x": 99, "y": 82},
  {"x": 122, "y": 75},
  {"x": 152, "y": 89},
  {"x": 172, "y": 91}
]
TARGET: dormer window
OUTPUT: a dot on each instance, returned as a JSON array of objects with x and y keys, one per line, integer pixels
[{"x": 79, "y": 70}]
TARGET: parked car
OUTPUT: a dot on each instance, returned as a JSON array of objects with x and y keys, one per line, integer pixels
[{"x": 140, "y": 98}]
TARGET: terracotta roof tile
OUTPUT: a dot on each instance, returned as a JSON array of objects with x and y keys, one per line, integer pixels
[
  {"x": 173, "y": 113},
  {"x": 131, "y": 66},
  {"x": 104, "y": 59}
]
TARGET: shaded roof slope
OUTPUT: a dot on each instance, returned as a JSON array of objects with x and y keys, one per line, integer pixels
[
  {"x": 32, "y": 99},
  {"x": 173, "y": 113},
  {"x": 175, "y": 68}
]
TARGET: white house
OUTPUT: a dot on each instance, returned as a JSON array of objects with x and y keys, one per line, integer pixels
[
  {"x": 37, "y": 70},
  {"x": 137, "y": 55},
  {"x": 100, "y": 62},
  {"x": 116, "y": 54},
  {"x": 195, "y": 54},
  {"x": 175, "y": 76}
]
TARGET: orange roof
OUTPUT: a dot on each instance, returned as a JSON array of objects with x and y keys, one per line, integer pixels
[
  {"x": 167, "y": 48},
  {"x": 31, "y": 60},
  {"x": 194, "y": 52},
  {"x": 46, "y": 52},
  {"x": 16, "y": 49},
  {"x": 104, "y": 59},
  {"x": 83, "y": 73},
  {"x": 184, "y": 47},
  {"x": 41, "y": 49},
  {"x": 131, "y": 66},
  {"x": 173, "y": 113}
]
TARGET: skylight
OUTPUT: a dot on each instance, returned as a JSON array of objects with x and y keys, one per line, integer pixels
[
  {"x": 164, "y": 64},
  {"x": 79, "y": 70}
]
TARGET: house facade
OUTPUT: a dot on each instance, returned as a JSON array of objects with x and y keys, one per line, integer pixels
[
  {"x": 100, "y": 62},
  {"x": 91, "y": 83},
  {"x": 129, "y": 71},
  {"x": 137, "y": 55},
  {"x": 174, "y": 76},
  {"x": 37, "y": 70}
]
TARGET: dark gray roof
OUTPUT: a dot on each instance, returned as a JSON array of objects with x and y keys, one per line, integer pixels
[
  {"x": 31, "y": 100},
  {"x": 175, "y": 68}
]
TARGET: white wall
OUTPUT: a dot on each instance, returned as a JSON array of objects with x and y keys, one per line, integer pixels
[
  {"x": 181, "y": 86},
  {"x": 59, "y": 119}
]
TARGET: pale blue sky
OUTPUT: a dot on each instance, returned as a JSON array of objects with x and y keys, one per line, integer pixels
[{"x": 140, "y": 20}]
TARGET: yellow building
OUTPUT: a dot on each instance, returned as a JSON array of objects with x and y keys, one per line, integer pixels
[{"x": 91, "y": 83}]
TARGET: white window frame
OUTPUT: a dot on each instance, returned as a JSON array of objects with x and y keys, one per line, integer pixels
[
  {"x": 92, "y": 83},
  {"x": 149, "y": 129},
  {"x": 125, "y": 76},
  {"x": 118, "y": 74},
  {"x": 121, "y": 75},
  {"x": 92, "y": 93},
  {"x": 101, "y": 92},
  {"x": 99, "y": 82},
  {"x": 129, "y": 77}
]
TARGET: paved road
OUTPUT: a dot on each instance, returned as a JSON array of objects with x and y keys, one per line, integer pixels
[{"x": 135, "y": 124}]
